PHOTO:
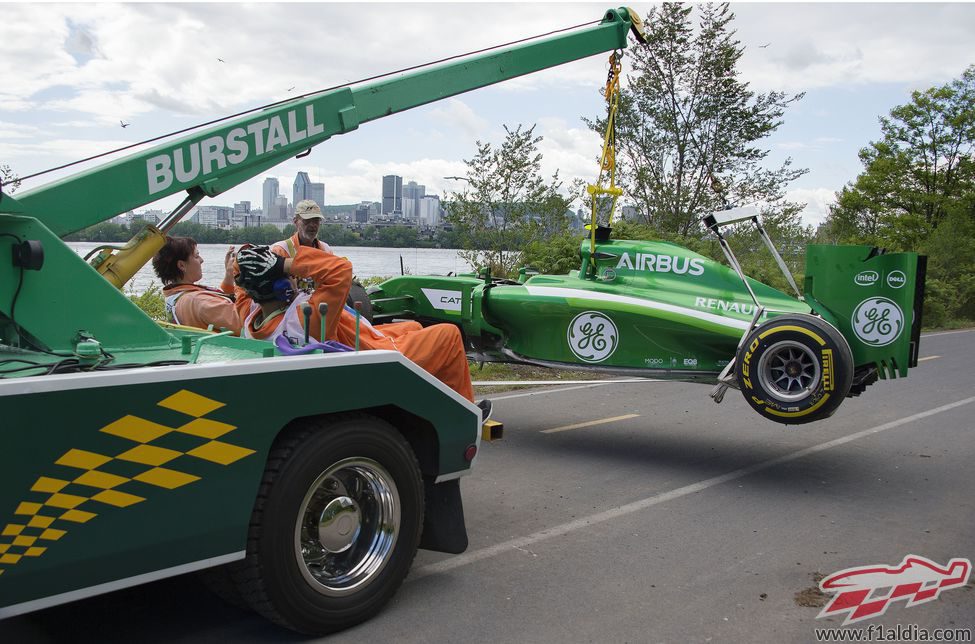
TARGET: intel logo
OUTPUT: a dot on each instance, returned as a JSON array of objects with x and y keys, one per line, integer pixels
[
  {"x": 896, "y": 279},
  {"x": 866, "y": 278}
]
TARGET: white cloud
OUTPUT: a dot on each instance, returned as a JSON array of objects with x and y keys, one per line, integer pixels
[
  {"x": 89, "y": 65},
  {"x": 456, "y": 113},
  {"x": 573, "y": 151},
  {"x": 815, "y": 45},
  {"x": 817, "y": 202}
]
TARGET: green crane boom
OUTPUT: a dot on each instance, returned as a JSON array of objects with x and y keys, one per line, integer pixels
[
  {"x": 212, "y": 161},
  {"x": 222, "y": 157}
]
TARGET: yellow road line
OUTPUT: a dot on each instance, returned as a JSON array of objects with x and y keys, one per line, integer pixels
[
  {"x": 588, "y": 424},
  {"x": 927, "y": 358}
]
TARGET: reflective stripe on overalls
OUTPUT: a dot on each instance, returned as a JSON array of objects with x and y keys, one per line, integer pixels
[
  {"x": 171, "y": 307},
  {"x": 290, "y": 326}
]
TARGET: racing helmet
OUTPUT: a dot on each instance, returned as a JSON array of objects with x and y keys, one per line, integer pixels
[{"x": 261, "y": 274}]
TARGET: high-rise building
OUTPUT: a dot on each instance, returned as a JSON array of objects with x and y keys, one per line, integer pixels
[
  {"x": 392, "y": 195},
  {"x": 361, "y": 213},
  {"x": 244, "y": 216},
  {"x": 281, "y": 209},
  {"x": 412, "y": 194},
  {"x": 428, "y": 213},
  {"x": 317, "y": 194},
  {"x": 304, "y": 188},
  {"x": 270, "y": 197},
  {"x": 214, "y": 216}
]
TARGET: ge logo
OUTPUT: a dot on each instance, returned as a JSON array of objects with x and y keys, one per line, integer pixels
[
  {"x": 878, "y": 321},
  {"x": 592, "y": 336}
]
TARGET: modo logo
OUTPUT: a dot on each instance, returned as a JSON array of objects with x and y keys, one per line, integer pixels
[
  {"x": 592, "y": 336},
  {"x": 866, "y": 278},
  {"x": 896, "y": 279}
]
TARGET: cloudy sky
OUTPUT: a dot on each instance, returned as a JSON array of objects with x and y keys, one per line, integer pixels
[{"x": 72, "y": 72}]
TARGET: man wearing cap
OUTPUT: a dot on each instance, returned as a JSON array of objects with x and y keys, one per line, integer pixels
[{"x": 308, "y": 219}]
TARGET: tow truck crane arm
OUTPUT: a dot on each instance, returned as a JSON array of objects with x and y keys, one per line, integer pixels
[
  {"x": 222, "y": 157},
  {"x": 209, "y": 163}
]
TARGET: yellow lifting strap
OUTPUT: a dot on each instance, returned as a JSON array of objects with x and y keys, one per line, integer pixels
[{"x": 607, "y": 162}]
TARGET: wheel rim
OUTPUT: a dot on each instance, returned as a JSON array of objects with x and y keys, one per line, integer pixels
[
  {"x": 789, "y": 370},
  {"x": 347, "y": 526}
]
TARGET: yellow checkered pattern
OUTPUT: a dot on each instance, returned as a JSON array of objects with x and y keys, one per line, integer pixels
[{"x": 50, "y": 512}]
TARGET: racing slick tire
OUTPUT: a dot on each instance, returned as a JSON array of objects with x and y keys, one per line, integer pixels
[
  {"x": 335, "y": 526},
  {"x": 794, "y": 369},
  {"x": 357, "y": 293}
]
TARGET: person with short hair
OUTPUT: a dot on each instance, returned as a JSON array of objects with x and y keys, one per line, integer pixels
[
  {"x": 179, "y": 265},
  {"x": 307, "y": 220}
]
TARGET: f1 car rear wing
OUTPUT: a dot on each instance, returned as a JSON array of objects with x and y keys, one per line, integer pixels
[{"x": 865, "y": 292}]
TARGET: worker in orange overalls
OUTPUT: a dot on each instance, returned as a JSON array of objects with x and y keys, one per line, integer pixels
[
  {"x": 179, "y": 265},
  {"x": 268, "y": 302}
]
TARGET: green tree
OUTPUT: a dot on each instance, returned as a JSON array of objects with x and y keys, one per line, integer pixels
[
  {"x": 687, "y": 125},
  {"x": 397, "y": 236},
  {"x": 506, "y": 203},
  {"x": 950, "y": 289},
  {"x": 920, "y": 171},
  {"x": 9, "y": 179}
]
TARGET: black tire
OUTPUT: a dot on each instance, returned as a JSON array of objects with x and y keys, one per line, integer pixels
[
  {"x": 362, "y": 468},
  {"x": 220, "y": 581},
  {"x": 357, "y": 293},
  {"x": 795, "y": 369}
]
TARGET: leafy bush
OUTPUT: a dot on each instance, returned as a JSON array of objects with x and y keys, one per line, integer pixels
[
  {"x": 151, "y": 302},
  {"x": 556, "y": 255},
  {"x": 950, "y": 292}
]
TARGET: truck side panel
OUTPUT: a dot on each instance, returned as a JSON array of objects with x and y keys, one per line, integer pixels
[{"x": 110, "y": 476}]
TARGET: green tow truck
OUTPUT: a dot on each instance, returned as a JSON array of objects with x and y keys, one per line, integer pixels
[{"x": 134, "y": 450}]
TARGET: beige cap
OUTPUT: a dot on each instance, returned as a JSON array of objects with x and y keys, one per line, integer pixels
[{"x": 308, "y": 209}]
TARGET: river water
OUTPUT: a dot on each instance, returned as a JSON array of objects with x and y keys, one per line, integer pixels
[{"x": 366, "y": 262}]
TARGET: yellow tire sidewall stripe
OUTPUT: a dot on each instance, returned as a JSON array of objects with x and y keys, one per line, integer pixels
[
  {"x": 799, "y": 329},
  {"x": 794, "y": 414}
]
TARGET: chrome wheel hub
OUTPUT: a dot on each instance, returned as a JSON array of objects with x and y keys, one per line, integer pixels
[
  {"x": 339, "y": 524},
  {"x": 347, "y": 526}
]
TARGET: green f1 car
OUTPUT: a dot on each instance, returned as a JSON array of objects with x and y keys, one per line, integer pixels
[{"x": 658, "y": 310}]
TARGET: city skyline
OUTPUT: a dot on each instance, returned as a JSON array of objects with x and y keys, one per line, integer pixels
[{"x": 416, "y": 208}]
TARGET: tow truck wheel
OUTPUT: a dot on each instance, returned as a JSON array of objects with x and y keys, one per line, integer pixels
[
  {"x": 795, "y": 369},
  {"x": 335, "y": 527}
]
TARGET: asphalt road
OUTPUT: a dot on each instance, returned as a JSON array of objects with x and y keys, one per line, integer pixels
[{"x": 678, "y": 520}]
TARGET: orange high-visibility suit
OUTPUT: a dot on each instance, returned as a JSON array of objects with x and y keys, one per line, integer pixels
[
  {"x": 288, "y": 247},
  {"x": 200, "y": 306},
  {"x": 438, "y": 349},
  {"x": 332, "y": 275}
]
